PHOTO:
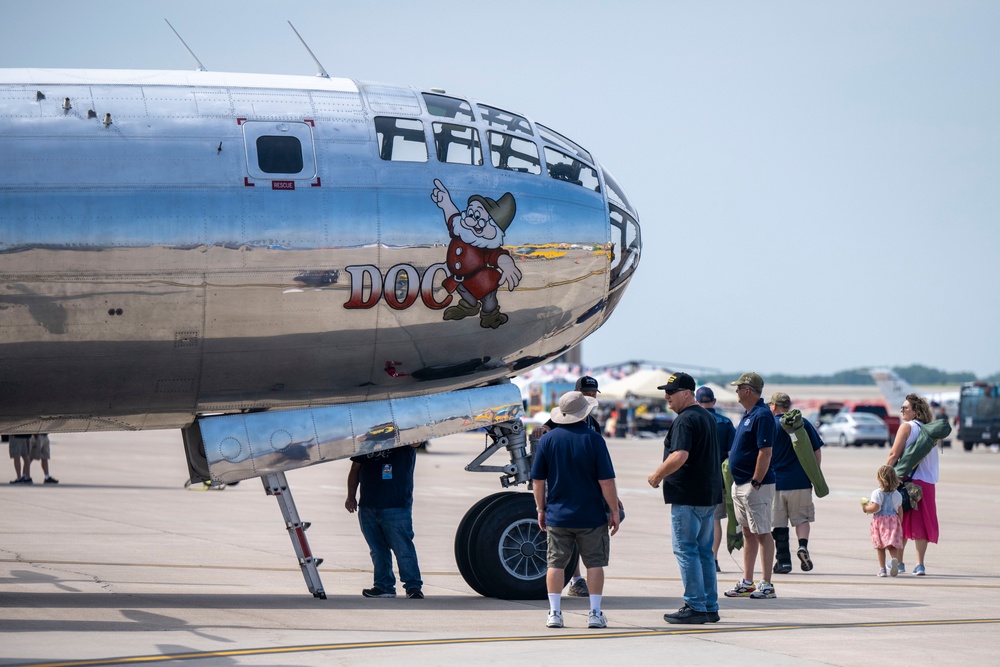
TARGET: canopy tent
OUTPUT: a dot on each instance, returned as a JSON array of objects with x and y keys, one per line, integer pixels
[{"x": 641, "y": 384}]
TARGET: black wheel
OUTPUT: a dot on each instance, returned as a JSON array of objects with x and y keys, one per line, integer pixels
[
  {"x": 968, "y": 446},
  {"x": 508, "y": 550},
  {"x": 463, "y": 545}
]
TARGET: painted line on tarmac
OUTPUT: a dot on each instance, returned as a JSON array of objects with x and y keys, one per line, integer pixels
[
  {"x": 352, "y": 646},
  {"x": 924, "y": 582}
]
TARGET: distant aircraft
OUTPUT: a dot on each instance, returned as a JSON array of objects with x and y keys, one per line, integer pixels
[
  {"x": 895, "y": 389},
  {"x": 294, "y": 270}
]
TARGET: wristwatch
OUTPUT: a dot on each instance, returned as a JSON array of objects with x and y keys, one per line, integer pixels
[
  {"x": 540, "y": 510},
  {"x": 755, "y": 484}
]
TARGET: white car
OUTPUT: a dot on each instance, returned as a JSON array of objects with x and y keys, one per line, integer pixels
[{"x": 855, "y": 428}]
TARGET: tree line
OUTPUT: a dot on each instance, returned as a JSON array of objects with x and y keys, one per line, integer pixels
[{"x": 915, "y": 374}]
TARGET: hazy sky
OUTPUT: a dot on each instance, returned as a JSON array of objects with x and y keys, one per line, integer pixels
[{"x": 813, "y": 179}]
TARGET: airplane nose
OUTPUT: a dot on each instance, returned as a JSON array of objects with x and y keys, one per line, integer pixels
[{"x": 626, "y": 240}]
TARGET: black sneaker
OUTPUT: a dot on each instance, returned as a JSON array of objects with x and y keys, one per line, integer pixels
[
  {"x": 804, "y": 560},
  {"x": 26, "y": 480},
  {"x": 51, "y": 480},
  {"x": 19, "y": 480},
  {"x": 415, "y": 594},
  {"x": 686, "y": 615},
  {"x": 713, "y": 616},
  {"x": 376, "y": 592}
]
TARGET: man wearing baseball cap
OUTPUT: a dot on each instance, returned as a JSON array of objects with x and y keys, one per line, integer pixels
[
  {"x": 692, "y": 486},
  {"x": 753, "y": 486},
  {"x": 724, "y": 433},
  {"x": 793, "y": 499},
  {"x": 577, "y": 502}
]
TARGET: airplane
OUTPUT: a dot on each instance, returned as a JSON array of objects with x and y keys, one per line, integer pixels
[
  {"x": 298, "y": 269},
  {"x": 895, "y": 389}
]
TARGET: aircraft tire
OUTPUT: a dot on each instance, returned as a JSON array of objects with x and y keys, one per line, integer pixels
[
  {"x": 463, "y": 543},
  {"x": 508, "y": 550}
]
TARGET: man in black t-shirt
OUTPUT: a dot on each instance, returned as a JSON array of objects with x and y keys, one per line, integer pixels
[
  {"x": 386, "y": 517},
  {"x": 692, "y": 486}
]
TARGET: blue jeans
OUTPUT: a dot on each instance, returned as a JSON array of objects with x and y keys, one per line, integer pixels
[
  {"x": 693, "y": 528},
  {"x": 390, "y": 531}
]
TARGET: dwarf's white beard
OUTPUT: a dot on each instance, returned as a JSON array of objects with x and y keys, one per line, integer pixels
[{"x": 468, "y": 236}]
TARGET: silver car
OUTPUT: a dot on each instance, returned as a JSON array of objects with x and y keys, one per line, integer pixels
[{"x": 855, "y": 428}]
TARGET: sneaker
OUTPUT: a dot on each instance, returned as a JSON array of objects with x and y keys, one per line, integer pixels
[
  {"x": 743, "y": 590},
  {"x": 881, "y": 572},
  {"x": 687, "y": 616},
  {"x": 376, "y": 592},
  {"x": 713, "y": 616},
  {"x": 918, "y": 570},
  {"x": 765, "y": 591},
  {"x": 597, "y": 619},
  {"x": 26, "y": 480},
  {"x": 555, "y": 620},
  {"x": 51, "y": 480},
  {"x": 804, "y": 560},
  {"x": 578, "y": 589},
  {"x": 902, "y": 568},
  {"x": 415, "y": 594},
  {"x": 19, "y": 480},
  {"x": 893, "y": 567}
]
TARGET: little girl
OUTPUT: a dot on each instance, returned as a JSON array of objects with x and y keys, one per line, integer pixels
[{"x": 886, "y": 508}]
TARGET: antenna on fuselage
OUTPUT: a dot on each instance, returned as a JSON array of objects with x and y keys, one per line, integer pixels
[
  {"x": 322, "y": 70},
  {"x": 201, "y": 68}
]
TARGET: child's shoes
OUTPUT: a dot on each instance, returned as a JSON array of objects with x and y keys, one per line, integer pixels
[{"x": 881, "y": 572}]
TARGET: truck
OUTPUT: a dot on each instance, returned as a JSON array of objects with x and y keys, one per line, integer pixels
[{"x": 979, "y": 415}]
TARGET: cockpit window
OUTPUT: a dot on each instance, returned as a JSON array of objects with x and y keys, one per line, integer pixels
[
  {"x": 401, "y": 139},
  {"x": 563, "y": 167},
  {"x": 505, "y": 120},
  {"x": 559, "y": 140},
  {"x": 448, "y": 107},
  {"x": 514, "y": 154},
  {"x": 457, "y": 144}
]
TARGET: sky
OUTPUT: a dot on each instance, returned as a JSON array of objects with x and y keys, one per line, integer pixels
[{"x": 812, "y": 179}]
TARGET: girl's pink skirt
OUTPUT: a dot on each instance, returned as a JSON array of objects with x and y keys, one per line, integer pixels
[
  {"x": 886, "y": 531},
  {"x": 922, "y": 523}
]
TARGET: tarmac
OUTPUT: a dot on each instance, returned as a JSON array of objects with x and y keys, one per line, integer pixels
[{"x": 120, "y": 564}]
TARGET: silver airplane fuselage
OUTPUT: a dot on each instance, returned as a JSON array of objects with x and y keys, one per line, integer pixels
[{"x": 181, "y": 243}]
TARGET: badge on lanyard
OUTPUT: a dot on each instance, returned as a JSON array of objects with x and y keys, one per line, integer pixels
[{"x": 387, "y": 471}]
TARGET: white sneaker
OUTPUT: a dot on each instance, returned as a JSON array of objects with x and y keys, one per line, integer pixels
[
  {"x": 597, "y": 619},
  {"x": 881, "y": 572},
  {"x": 555, "y": 620},
  {"x": 893, "y": 567}
]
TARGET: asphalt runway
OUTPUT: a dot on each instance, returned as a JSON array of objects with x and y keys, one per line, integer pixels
[{"x": 119, "y": 564}]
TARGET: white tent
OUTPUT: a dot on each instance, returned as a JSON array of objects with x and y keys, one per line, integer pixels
[{"x": 641, "y": 384}]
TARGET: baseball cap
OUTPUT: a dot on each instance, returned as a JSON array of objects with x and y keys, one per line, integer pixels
[
  {"x": 587, "y": 383},
  {"x": 704, "y": 395},
  {"x": 678, "y": 381},
  {"x": 573, "y": 407},
  {"x": 751, "y": 379},
  {"x": 781, "y": 398}
]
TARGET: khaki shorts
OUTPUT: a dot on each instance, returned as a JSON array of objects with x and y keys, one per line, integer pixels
[
  {"x": 40, "y": 447},
  {"x": 20, "y": 445},
  {"x": 795, "y": 505},
  {"x": 594, "y": 545},
  {"x": 753, "y": 507},
  {"x": 720, "y": 511}
]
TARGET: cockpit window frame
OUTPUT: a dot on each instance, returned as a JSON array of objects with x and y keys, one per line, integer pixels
[
  {"x": 564, "y": 167},
  {"x": 386, "y": 136},
  {"x": 510, "y": 147},
  {"x": 447, "y": 135},
  {"x": 565, "y": 143},
  {"x": 507, "y": 121}
]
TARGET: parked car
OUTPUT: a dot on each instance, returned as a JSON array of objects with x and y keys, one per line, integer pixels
[
  {"x": 892, "y": 421},
  {"x": 855, "y": 428}
]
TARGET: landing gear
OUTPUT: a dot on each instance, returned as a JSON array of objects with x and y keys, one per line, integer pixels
[{"x": 500, "y": 549}]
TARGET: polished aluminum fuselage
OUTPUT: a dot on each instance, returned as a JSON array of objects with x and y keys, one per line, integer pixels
[{"x": 149, "y": 275}]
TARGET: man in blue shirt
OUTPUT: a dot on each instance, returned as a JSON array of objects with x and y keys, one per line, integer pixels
[
  {"x": 793, "y": 500},
  {"x": 753, "y": 486},
  {"x": 577, "y": 502},
  {"x": 724, "y": 434}
]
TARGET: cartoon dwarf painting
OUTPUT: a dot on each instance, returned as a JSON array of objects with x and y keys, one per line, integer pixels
[{"x": 477, "y": 261}]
